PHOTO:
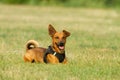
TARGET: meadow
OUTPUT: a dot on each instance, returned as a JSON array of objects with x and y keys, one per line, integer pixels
[{"x": 93, "y": 49}]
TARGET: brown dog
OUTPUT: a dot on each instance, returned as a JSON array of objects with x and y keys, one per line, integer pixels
[{"x": 55, "y": 53}]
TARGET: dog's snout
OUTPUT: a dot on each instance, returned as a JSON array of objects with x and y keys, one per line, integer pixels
[{"x": 61, "y": 44}]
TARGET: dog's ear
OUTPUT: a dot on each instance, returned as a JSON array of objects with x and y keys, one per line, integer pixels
[
  {"x": 51, "y": 30},
  {"x": 66, "y": 33}
]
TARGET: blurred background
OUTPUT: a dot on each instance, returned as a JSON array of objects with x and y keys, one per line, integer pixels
[{"x": 68, "y": 3}]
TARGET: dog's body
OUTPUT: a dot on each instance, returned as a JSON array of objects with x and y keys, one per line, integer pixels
[{"x": 55, "y": 52}]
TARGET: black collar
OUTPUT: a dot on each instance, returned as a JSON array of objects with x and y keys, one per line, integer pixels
[{"x": 60, "y": 57}]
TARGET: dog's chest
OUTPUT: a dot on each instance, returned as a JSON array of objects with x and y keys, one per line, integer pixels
[{"x": 59, "y": 56}]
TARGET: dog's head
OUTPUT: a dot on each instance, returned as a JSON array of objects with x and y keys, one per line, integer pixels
[{"x": 58, "y": 39}]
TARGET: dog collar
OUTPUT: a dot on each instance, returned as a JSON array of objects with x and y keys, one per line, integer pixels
[{"x": 60, "y": 57}]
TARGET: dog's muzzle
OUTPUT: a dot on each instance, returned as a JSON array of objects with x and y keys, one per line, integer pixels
[{"x": 61, "y": 45}]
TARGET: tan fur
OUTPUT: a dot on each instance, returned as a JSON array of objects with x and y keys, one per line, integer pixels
[
  {"x": 32, "y": 42},
  {"x": 34, "y": 53}
]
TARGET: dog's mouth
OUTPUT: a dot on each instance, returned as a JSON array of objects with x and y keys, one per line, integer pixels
[{"x": 61, "y": 45}]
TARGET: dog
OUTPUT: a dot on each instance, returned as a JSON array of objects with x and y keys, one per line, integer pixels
[{"x": 55, "y": 53}]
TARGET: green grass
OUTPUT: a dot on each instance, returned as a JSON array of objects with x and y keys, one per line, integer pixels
[{"x": 93, "y": 49}]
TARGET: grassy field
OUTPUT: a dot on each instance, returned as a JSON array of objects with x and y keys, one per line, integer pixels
[{"x": 93, "y": 49}]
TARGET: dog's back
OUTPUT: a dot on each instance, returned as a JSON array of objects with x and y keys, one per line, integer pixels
[{"x": 34, "y": 53}]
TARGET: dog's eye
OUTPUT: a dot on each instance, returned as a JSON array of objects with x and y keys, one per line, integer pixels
[
  {"x": 63, "y": 37},
  {"x": 56, "y": 37}
]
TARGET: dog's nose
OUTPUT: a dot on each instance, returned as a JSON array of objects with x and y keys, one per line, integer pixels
[{"x": 61, "y": 44}]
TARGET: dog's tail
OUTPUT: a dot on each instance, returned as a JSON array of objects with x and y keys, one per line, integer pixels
[{"x": 31, "y": 44}]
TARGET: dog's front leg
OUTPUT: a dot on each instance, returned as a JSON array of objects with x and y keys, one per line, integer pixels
[
  {"x": 65, "y": 61},
  {"x": 52, "y": 59}
]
